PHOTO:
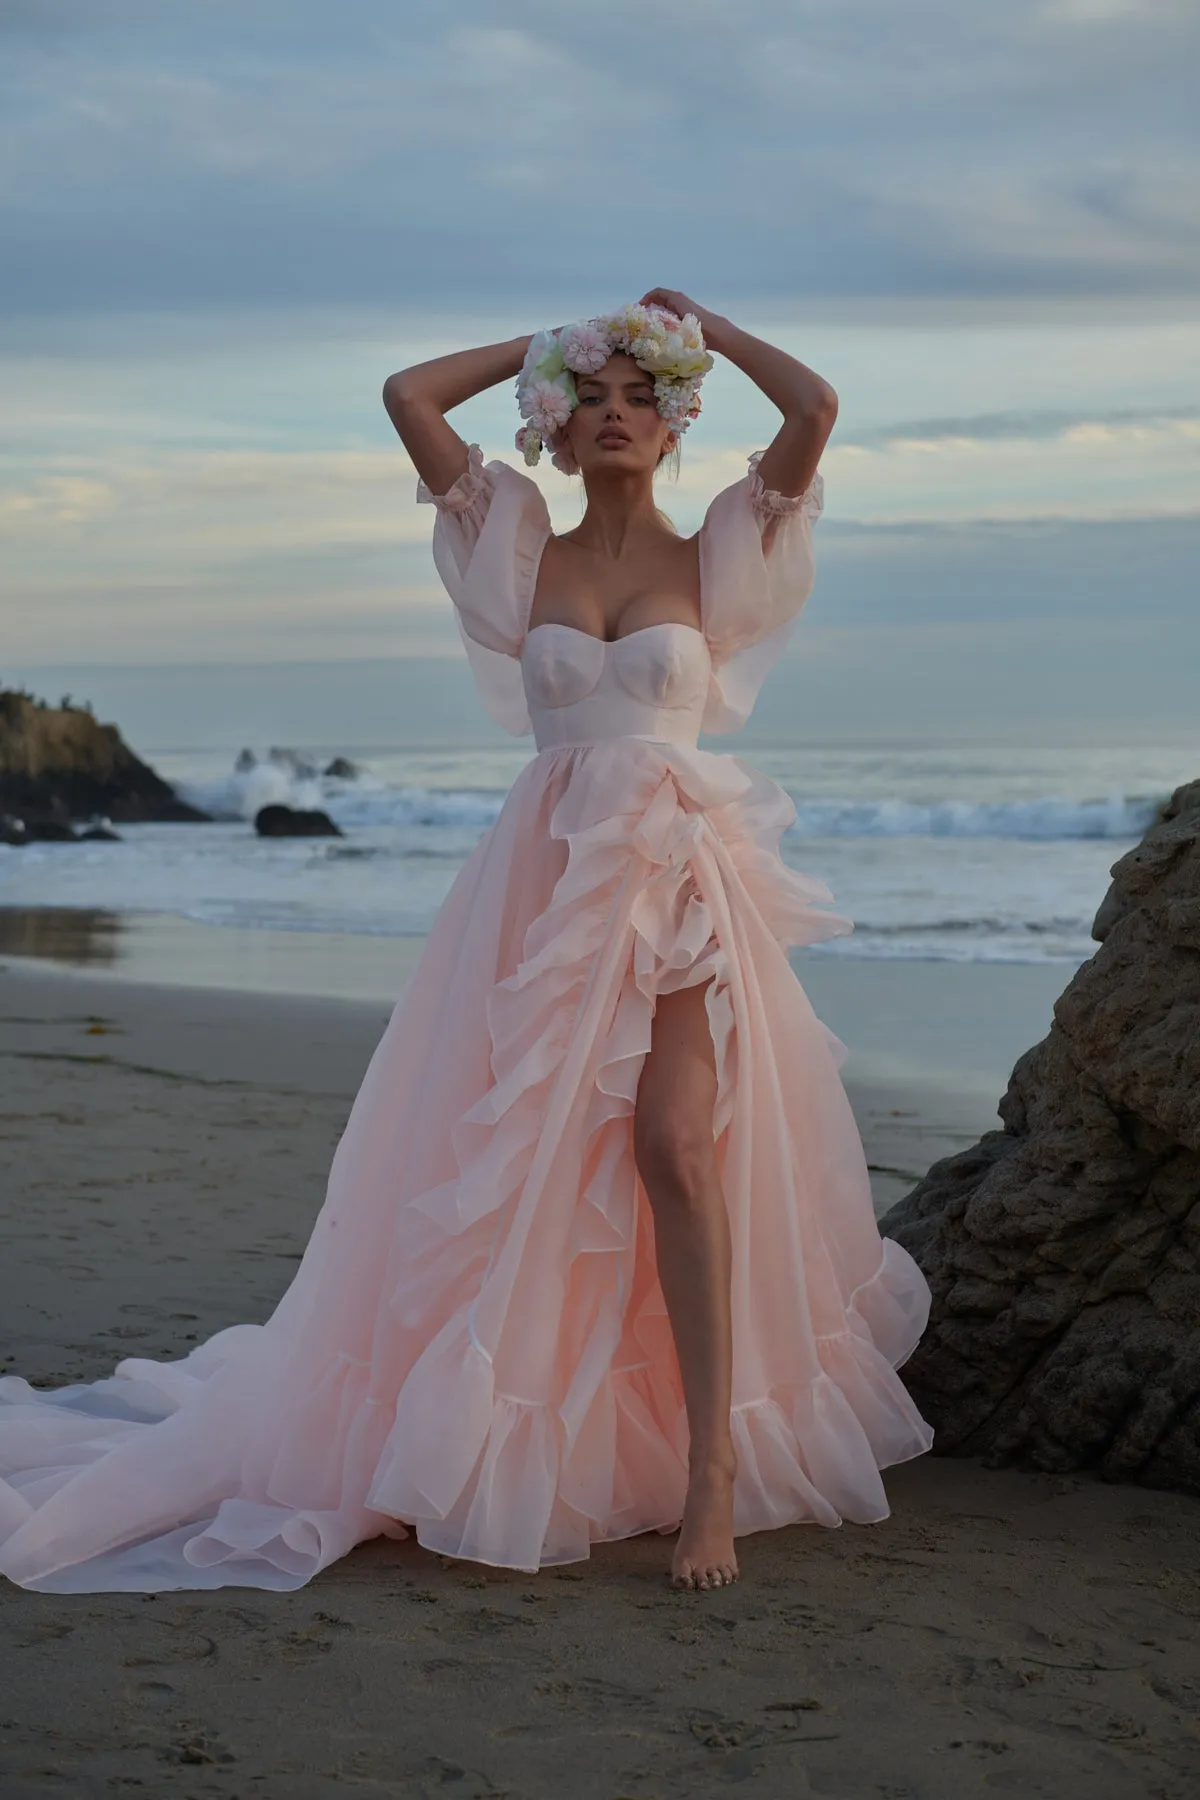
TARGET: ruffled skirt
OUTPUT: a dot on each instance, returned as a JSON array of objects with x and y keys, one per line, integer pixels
[{"x": 475, "y": 1345}]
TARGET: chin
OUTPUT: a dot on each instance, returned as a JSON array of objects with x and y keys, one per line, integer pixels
[{"x": 626, "y": 456}]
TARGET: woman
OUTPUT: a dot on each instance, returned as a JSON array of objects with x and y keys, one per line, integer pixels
[{"x": 597, "y": 1254}]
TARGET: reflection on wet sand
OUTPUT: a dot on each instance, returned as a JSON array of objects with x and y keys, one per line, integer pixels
[
  {"x": 162, "y": 947},
  {"x": 84, "y": 935}
]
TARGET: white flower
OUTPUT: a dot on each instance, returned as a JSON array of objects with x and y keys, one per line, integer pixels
[
  {"x": 628, "y": 325},
  {"x": 686, "y": 363},
  {"x": 677, "y": 402},
  {"x": 674, "y": 408}
]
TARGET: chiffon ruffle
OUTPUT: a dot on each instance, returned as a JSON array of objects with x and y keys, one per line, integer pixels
[{"x": 475, "y": 1345}]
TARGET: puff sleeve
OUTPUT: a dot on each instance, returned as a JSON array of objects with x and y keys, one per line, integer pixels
[
  {"x": 490, "y": 528},
  {"x": 757, "y": 569}
]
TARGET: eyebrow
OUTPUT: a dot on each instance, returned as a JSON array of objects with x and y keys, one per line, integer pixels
[{"x": 595, "y": 381}]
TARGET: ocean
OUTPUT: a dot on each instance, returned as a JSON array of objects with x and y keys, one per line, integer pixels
[{"x": 951, "y": 852}]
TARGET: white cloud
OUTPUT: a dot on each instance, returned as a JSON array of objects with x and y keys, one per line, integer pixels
[
  {"x": 238, "y": 502},
  {"x": 288, "y": 549}
]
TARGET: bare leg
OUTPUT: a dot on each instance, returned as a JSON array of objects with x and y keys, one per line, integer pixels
[{"x": 676, "y": 1158}]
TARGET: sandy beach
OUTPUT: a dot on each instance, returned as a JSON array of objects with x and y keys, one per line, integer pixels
[{"x": 165, "y": 1148}]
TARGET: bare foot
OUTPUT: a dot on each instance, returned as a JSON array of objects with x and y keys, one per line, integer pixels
[{"x": 704, "y": 1555}]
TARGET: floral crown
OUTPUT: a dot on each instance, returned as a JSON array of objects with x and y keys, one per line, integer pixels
[{"x": 669, "y": 348}]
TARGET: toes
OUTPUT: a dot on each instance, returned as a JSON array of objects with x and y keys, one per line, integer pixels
[{"x": 714, "y": 1575}]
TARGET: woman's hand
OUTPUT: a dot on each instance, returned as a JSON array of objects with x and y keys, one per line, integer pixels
[
  {"x": 675, "y": 302},
  {"x": 672, "y": 299},
  {"x": 711, "y": 324}
]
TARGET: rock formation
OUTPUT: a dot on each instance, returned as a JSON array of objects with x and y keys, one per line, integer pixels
[
  {"x": 289, "y": 821},
  {"x": 58, "y": 763},
  {"x": 51, "y": 831},
  {"x": 1064, "y": 1250}
]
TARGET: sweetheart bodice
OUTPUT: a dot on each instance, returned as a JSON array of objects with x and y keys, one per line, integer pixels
[
  {"x": 651, "y": 683},
  {"x": 756, "y": 571}
]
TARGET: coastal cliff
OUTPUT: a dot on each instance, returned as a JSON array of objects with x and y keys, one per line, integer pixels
[
  {"x": 58, "y": 763},
  {"x": 1064, "y": 1251}
]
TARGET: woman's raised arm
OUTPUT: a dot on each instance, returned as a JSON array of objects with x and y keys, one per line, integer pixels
[
  {"x": 808, "y": 404},
  {"x": 418, "y": 399}
]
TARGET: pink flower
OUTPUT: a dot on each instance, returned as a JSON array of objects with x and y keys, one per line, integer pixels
[
  {"x": 546, "y": 406},
  {"x": 585, "y": 348}
]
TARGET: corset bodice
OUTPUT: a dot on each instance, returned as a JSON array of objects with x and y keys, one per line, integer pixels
[{"x": 652, "y": 683}]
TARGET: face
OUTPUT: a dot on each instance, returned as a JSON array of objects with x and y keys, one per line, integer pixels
[{"x": 617, "y": 424}]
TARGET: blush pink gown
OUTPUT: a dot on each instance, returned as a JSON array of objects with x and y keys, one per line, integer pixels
[{"x": 475, "y": 1346}]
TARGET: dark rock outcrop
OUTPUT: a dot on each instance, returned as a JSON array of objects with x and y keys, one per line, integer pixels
[
  {"x": 58, "y": 763},
  {"x": 1064, "y": 1251},
  {"x": 37, "y": 831},
  {"x": 288, "y": 821},
  {"x": 342, "y": 769},
  {"x": 52, "y": 831}
]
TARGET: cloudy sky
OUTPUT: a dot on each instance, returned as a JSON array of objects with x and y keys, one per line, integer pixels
[{"x": 224, "y": 223}]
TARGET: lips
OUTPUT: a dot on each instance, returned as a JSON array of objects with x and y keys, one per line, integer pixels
[{"x": 613, "y": 437}]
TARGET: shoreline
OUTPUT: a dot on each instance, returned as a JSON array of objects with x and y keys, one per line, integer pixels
[{"x": 897, "y": 1017}]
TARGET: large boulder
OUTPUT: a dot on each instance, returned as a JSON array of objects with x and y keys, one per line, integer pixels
[
  {"x": 289, "y": 821},
  {"x": 1064, "y": 1250},
  {"x": 58, "y": 763}
]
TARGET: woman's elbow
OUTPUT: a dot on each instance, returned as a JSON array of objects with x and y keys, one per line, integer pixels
[
  {"x": 398, "y": 392},
  {"x": 815, "y": 409},
  {"x": 824, "y": 404}
]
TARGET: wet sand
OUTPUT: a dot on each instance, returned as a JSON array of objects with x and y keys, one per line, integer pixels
[{"x": 163, "y": 1151}]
